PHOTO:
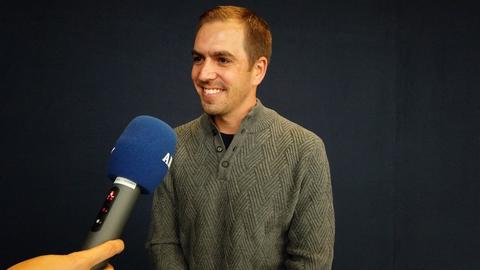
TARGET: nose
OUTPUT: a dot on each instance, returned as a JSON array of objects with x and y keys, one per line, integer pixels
[{"x": 206, "y": 71}]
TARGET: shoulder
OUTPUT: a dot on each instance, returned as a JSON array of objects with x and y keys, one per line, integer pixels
[
  {"x": 188, "y": 129},
  {"x": 302, "y": 148},
  {"x": 189, "y": 137},
  {"x": 298, "y": 134},
  {"x": 297, "y": 142}
]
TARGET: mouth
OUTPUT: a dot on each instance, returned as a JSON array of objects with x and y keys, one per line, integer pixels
[{"x": 212, "y": 91}]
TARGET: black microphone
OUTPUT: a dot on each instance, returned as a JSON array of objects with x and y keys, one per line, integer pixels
[{"x": 138, "y": 163}]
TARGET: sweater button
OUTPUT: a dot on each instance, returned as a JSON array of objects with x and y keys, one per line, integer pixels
[
  {"x": 219, "y": 149},
  {"x": 225, "y": 164}
]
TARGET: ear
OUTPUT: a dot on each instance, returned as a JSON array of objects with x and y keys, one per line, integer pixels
[{"x": 259, "y": 70}]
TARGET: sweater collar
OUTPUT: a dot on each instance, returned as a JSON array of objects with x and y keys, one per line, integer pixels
[{"x": 259, "y": 118}]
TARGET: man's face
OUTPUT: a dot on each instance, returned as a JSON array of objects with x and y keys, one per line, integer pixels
[{"x": 221, "y": 72}]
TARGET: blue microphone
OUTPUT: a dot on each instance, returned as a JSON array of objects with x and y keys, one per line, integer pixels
[{"x": 138, "y": 163}]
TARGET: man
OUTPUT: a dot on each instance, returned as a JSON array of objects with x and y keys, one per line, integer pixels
[{"x": 247, "y": 189}]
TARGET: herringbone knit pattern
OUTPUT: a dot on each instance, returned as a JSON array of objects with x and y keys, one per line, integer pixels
[{"x": 265, "y": 203}]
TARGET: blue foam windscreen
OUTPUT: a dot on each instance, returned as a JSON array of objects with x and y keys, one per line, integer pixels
[{"x": 143, "y": 152}]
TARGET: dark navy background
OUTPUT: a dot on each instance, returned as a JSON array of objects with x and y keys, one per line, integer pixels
[{"x": 391, "y": 86}]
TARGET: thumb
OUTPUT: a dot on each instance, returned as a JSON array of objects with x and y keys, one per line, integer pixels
[{"x": 100, "y": 253}]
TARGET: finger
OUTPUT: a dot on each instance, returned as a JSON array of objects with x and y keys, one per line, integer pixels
[
  {"x": 102, "y": 252},
  {"x": 108, "y": 267}
]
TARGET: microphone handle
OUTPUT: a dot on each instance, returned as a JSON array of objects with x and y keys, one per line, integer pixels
[{"x": 113, "y": 216}]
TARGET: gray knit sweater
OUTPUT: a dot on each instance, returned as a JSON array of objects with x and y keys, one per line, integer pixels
[{"x": 263, "y": 203}]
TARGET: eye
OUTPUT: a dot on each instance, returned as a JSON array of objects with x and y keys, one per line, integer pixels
[
  {"x": 197, "y": 59},
  {"x": 224, "y": 60}
]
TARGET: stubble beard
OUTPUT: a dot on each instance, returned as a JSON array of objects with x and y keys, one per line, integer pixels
[{"x": 214, "y": 109}]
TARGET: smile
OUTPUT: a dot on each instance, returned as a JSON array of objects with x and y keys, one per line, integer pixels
[{"x": 212, "y": 91}]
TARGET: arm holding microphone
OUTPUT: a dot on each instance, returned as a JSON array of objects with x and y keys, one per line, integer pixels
[{"x": 80, "y": 260}]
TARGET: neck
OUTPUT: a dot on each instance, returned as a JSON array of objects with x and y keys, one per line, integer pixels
[{"x": 229, "y": 124}]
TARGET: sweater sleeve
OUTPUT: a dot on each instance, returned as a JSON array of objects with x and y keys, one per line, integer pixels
[
  {"x": 312, "y": 228},
  {"x": 163, "y": 243}
]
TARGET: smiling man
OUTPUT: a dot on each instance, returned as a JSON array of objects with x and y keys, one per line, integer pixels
[{"x": 248, "y": 189}]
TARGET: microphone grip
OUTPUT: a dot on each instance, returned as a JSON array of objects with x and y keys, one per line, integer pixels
[{"x": 112, "y": 217}]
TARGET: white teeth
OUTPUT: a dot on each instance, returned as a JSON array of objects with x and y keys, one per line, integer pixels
[{"x": 210, "y": 91}]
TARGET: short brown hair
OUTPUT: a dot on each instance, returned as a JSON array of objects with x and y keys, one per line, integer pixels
[{"x": 258, "y": 38}]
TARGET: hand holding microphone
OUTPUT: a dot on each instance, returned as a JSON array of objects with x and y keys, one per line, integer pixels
[{"x": 81, "y": 260}]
